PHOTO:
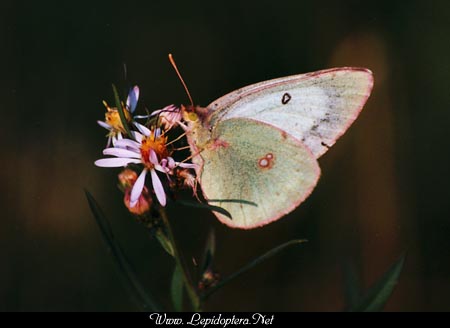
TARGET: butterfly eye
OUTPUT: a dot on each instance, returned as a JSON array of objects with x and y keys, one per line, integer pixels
[{"x": 191, "y": 116}]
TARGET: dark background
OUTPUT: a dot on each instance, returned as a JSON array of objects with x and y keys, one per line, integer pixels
[{"x": 384, "y": 187}]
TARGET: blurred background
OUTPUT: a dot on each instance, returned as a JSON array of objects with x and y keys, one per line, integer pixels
[{"x": 384, "y": 185}]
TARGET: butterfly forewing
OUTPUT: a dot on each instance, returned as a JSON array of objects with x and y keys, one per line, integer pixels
[
  {"x": 316, "y": 108},
  {"x": 256, "y": 162}
]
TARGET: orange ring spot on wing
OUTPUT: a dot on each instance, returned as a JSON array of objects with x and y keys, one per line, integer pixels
[{"x": 266, "y": 162}]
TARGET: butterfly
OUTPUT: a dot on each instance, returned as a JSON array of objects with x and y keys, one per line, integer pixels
[{"x": 256, "y": 148}]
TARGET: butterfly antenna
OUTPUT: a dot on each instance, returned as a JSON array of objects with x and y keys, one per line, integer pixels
[{"x": 172, "y": 61}]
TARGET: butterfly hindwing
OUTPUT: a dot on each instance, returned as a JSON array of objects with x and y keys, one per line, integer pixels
[
  {"x": 256, "y": 162},
  {"x": 316, "y": 108}
]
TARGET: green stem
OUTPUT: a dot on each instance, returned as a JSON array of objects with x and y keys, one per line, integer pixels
[{"x": 193, "y": 296}]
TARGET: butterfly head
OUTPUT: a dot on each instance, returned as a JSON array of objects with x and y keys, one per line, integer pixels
[
  {"x": 189, "y": 114},
  {"x": 194, "y": 114}
]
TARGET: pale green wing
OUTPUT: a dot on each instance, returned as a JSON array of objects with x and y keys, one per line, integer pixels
[
  {"x": 253, "y": 161},
  {"x": 316, "y": 108}
]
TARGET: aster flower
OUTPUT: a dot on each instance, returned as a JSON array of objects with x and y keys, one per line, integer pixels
[
  {"x": 150, "y": 150},
  {"x": 113, "y": 122},
  {"x": 170, "y": 116}
]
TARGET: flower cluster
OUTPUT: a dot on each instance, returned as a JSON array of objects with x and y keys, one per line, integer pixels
[
  {"x": 112, "y": 118},
  {"x": 148, "y": 149}
]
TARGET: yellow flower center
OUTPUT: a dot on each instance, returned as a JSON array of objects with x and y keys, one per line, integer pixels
[
  {"x": 158, "y": 144},
  {"x": 112, "y": 117}
]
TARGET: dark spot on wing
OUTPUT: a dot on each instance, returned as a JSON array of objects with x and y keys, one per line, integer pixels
[
  {"x": 286, "y": 98},
  {"x": 325, "y": 145}
]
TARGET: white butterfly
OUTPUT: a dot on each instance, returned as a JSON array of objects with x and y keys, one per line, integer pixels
[{"x": 260, "y": 143}]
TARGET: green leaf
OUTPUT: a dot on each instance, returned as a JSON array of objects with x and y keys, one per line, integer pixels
[
  {"x": 239, "y": 201},
  {"x": 250, "y": 265},
  {"x": 208, "y": 253},
  {"x": 177, "y": 289},
  {"x": 131, "y": 281},
  {"x": 121, "y": 113},
  {"x": 352, "y": 286},
  {"x": 206, "y": 206},
  {"x": 165, "y": 242},
  {"x": 379, "y": 293}
]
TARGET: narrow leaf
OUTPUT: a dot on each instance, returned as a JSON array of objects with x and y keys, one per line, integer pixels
[
  {"x": 165, "y": 242},
  {"x": 121, "y": 113},
  {"x": 206, "y": 206},
  {"x": 352, "y": 286},
  {"x": 132, "y": 283},
  {"x": 250, "y": 265},
  {"x": 239, "y": 201},
  {"x": 177, "y": 289},
  {"x": 208, "y": 253},
  {"x": 379, "y": 293}
]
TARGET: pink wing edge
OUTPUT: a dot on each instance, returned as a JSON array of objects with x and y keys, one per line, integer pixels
[
  {"x": 304, "y": 196},
  {"x": 244, "y": 91}
]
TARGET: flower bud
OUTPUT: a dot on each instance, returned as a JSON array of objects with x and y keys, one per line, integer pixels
[{"x": 127, "y": 178}]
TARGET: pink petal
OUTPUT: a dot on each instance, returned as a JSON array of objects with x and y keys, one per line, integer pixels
[
  {"x": 133, "y": 204},
  {"x": 136, "y": 92},
  {"x": 156, "y": 112},
  {"x": 170, "y": 108},
  {"x": 137, "y": 188},
  {"x": 120, "y": 152},
  {"x": 152, "y": 157},
  {"x": 142, "y": 116},
  {"x": 158, "y": 188},
  {"x": 116, "y": 162},
  {"x": 163, "y": 165},
  {"x": 127, "y": 143},
  {"x": 163, "y": 169},
  {"x": 104, "y": 125},
  {"x": 183, "y": 126},
  {"x": 172, "y": 162},
  {"x": 132, "y": 106},
  {"x": 187, "y": 165},
  {"x": 137, "y": 136},
  {"x": 144, "y": 130}
]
